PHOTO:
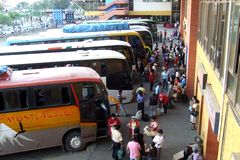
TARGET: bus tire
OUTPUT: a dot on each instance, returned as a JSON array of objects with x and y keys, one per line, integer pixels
[{"x": 73, "y": 142}]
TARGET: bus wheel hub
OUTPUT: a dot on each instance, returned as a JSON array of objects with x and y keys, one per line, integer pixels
[{"x": 75, "y": 142}]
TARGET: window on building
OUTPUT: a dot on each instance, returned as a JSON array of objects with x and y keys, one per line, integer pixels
[
  {"x": 233, "y": 84},
  {"x": 234, "y": 39},
  {"x": 212, "y": 31},
  {"x": 221, "y": 37},
  {"x": 185, "y": 8}
]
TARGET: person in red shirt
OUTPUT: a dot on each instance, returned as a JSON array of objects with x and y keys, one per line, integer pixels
[
  {"x": 112, "y": 121},
  {"x": 134, "y": 123},
  {"x": 152, "y": 78},
  {"x": 165, "y": 34},
  {"x": 163, "y": 100}
]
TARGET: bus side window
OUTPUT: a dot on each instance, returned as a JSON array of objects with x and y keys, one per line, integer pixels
[
  {"x": 54, "y": 96},
  {"x": 1, "y": 102},
  {"x": 103, "y": 68},
  {"x": 23, "y": 99},
  {"x": 39, "y": 97},
  {"x": 65, "y": 95},
  {"x": 87, "y": 91},
  {"x": 11, "y": 101}
]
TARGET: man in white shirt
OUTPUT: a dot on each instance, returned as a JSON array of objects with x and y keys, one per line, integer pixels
[
  {"x": 159, "y": 142},
  {"x": 117, "y": 141}
]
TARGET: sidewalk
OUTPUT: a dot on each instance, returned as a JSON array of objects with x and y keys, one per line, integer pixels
[{"x": 175, "y": 123}]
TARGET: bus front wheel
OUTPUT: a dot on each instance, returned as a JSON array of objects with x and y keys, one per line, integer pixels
[{"x": 73, "y": 142}]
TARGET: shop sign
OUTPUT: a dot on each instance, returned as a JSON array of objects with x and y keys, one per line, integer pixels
[
  {"x": 213, "y": 108},
  {"x": 202, "y": 76}
]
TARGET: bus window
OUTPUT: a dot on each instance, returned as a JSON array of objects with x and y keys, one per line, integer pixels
[
  {"x": 137, "y": 46},
  {"x": 118, "y": 75},
  {"x": 147, "y": 38},
  {"x": 13, "y": 100},
  {"x": 96, "y": 66},
  {"x": 87, "y": 91},
  {"x": 103, "y": 68},
  {"x": 121, "y": 38},
  {"x": 23, "y": 99},
  {"x": 65, "y": 95},
  {"x": 47, "y": 97},
  {"x": 88, "y": 106}
]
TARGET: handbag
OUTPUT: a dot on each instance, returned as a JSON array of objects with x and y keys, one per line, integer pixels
[{"x": 121, "y": 153}]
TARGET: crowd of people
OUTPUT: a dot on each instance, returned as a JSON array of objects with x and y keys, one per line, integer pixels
[{"x": 165, "y": 72}]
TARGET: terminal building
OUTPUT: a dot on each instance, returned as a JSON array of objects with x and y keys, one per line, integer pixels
[
  {"x": 211, "y": 32},
  {"x": 163, "y": 11}
]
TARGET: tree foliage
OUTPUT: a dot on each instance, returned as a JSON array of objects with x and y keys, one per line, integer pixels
[
  {"x": 60, "y": 4},
  {"x": 5, "y": 19},
  {"x": 1, "y": 7}
]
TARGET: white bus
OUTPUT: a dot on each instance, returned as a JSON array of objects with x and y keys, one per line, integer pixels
[
  {"x": 112, "y": 66},
  {"x": 57, "y": 36},
  {"x": 145, "y": 34},
  {"x": 116, "y": 45}
]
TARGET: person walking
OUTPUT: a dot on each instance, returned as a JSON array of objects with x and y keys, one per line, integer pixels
[
  {"x": 165, "y": 35},
  {"x": 165, "y": 79},
  {"x": 140, "y": 140},
  {"x": 133, "y": 149},
  {"x": 112, "y": 121},
  {"x": 163, "y": 100},
  {"x": 158, "y": 89},
  {"x": 153, "y": 105},
  {"x": 170, "y": 94},
  {"x": 158, "y": 141},
  {"x": 193, "y": 118},
  {"x": 117, "y": 141},
  {"x": 122, "y": 107},
  {"x": 140, "y": 101},
  {"x": 160, "y": 36},
  {"x": 152, "y": 78}
]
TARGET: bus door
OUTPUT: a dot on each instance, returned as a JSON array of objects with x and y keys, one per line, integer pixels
[{"x": 93, "y": 110}]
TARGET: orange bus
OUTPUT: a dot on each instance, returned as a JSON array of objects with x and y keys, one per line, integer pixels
[{"x": 40, "y": 108}]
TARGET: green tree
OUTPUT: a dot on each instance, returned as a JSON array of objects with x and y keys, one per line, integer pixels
[
  {"x": 5, "y": 19},
  {"x": 1, "y": 7},
  {"x": 14, "y": 15},
  {"x": 60, "y": 4},
  {"x": 23, "y": 6}
]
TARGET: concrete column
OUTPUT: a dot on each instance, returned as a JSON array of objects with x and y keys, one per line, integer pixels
[
  {"x": 191, "y": 44},
  {"x": 181, "y": 16}
]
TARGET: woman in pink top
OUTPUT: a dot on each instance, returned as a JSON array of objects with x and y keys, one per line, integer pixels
[{"x": 133, "y": 149}]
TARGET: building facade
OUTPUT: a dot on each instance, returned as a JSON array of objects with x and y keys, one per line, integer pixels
[
  {"x": 163, "y": 11},
  {"x": 211, "y": 31}
]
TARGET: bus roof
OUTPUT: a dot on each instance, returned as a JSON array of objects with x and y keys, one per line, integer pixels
[
  {"x": 61, "y": 57},
  {"x": 140, "y": 28},
  {"x": 8, "y": 50},
  {"x": 59, "y": 35},
  {"x": 38, "y": 77}
]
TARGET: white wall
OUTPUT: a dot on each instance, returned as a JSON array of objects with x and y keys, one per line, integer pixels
[{"x": 139, "y": 5}]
